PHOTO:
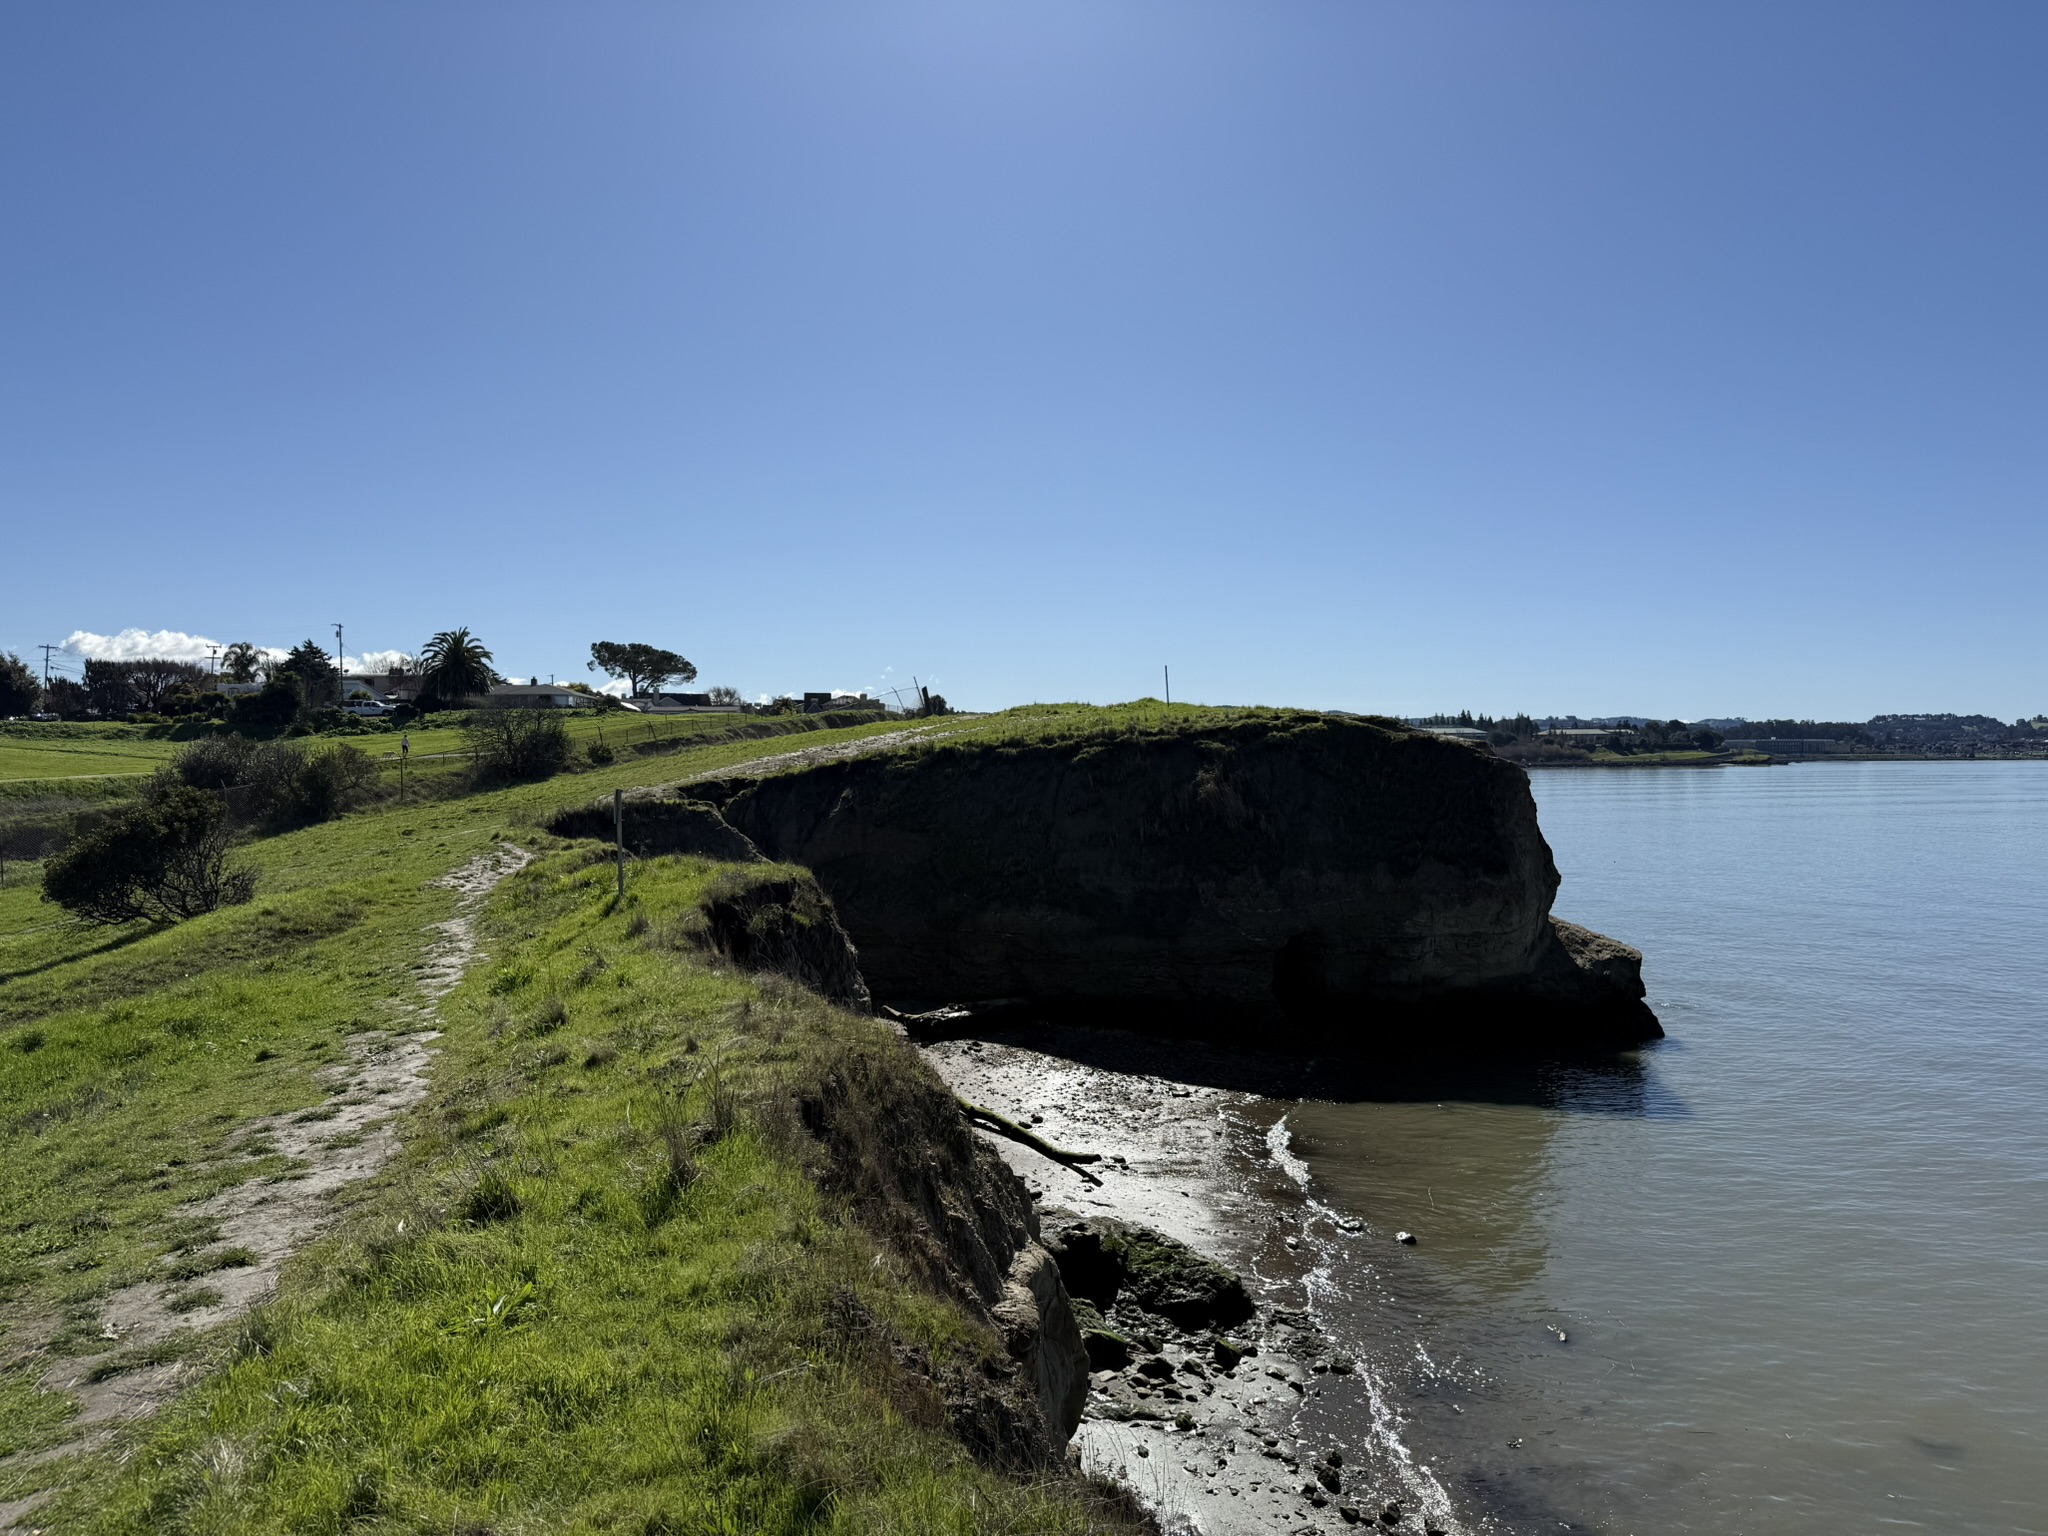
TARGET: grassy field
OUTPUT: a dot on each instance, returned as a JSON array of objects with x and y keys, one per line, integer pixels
[
  {"x": 79, "y": 757},
  {"x": 598, "y": 1289},
  {"x": 59, "y": 750}
]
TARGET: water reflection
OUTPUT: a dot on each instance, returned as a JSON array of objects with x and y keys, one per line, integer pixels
[{"x": 1624, "y": 1084}]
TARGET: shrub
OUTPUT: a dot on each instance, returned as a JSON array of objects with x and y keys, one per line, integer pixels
[
  {"x": 279, "y": 784},
  {"x": 164, "y": 860},
  {"x": 599, "y": 754},
  {"x": 277, "y": 705},
  {"x": 514, "y": 744}
]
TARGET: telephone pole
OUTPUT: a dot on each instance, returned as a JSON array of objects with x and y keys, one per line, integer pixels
[
  {"x": 46, "y": 664},
  {"x": 1168, "y": 673}
]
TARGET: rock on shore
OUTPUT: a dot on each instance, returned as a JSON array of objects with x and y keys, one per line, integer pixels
[{"x": 1354, "y": 883}]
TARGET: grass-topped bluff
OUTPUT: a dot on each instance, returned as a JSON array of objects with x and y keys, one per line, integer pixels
[
  {"x": 1351, "y": 882},
  {"x": 574, "y": 1223}
]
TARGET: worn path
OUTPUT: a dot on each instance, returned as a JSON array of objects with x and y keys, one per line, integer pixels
[{"x": 346, "y": 1138}]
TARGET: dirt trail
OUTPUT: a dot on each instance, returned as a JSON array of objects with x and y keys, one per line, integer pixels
[
  {"x": 810, "y": 757},
  {"x": 346, "y": 1138}
]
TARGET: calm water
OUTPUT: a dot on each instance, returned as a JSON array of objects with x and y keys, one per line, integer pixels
[{"x": 1798, "y": 1253}]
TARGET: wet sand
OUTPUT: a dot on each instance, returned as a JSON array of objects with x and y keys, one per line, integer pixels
[{"x": 1309, "y": 1432}]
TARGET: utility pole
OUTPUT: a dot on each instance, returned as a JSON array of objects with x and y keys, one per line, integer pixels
[
  {"x": 340, "y": 666},
  {"x": 46, "y": 664},
  {"x": 213, "y": 660},
  {"x": 1168, "y": 671}
]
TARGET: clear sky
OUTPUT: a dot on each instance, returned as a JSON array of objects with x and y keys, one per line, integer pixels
[{"x": 1665, "y": 358}]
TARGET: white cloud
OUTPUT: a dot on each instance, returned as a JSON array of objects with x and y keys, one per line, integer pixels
[
  {"x": 379, "y": 661},
  {"x": 134, "y": 644}
]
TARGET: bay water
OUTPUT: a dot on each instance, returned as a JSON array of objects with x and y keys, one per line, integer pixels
[{"x": 1785, "y": 1271}]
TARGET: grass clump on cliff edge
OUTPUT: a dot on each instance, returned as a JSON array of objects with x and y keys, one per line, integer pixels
[{"x": 599, "y": 1291}]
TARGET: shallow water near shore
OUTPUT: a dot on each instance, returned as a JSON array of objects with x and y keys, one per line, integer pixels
[{"x": 1788, "y": 1270}]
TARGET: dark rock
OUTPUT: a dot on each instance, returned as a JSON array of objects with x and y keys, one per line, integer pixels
[
  {"x": 1390, "y": 1512},
  {"x": 1330, "y": 1478},
  {"x": 1107, "y": 1349},
  {"x": 1105, "y": 1261},
  {"x": 1158, "y": 1368},
  {"x": 1345, "y": 879},
  {"x": 1227, "y": 1352},
  {"x": 1350, "y": 1513}
]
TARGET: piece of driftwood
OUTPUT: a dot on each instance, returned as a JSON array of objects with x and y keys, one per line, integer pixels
[{"x": 1002, "y": 1125}]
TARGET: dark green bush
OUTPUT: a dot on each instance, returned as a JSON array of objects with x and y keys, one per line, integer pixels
[
  {"x": 166, "y": 859},
  {"x": 276, "y": 706},
  {"x": 277, "y": 784},
  {"x": 516, "y": 744}
]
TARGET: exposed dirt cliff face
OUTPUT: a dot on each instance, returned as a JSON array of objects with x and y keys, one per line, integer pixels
[
  {"x": 1326, "y": 874},
  {"x": 901, "y": 1154}
]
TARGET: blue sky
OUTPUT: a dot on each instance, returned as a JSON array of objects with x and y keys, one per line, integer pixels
[{"x": 1674, "y": 359}]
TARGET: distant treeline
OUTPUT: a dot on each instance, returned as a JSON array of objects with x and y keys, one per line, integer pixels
[{"x": 1879, "y": 731}]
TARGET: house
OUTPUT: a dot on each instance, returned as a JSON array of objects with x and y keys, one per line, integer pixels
[
  {"x": 537, "y": 696},
  {"x": 679, "y": 704}
]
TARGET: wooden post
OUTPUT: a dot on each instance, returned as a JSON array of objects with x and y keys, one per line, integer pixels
[{"x": 619, "y": 832}]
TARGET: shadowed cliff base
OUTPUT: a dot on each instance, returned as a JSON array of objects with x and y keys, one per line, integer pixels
[{"x": 1325, "y": 882}]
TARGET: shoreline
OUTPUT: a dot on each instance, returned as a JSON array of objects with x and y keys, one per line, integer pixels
[{"x": 1223, "y": 1449}]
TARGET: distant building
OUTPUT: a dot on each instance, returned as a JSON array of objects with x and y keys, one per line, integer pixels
[
  {"x": 1791, "y": 746},
  {"x": 1580, "y": 736},
  {"x": 537, "y": 696},
  {"x": 679, "y": 704}
]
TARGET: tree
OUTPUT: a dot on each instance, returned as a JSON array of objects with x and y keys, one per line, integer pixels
[
  {"x": 20, "y": 693},
  {"x": 108, "y": 691},
  {"x": 512, "y": 744},
  {"x": 239, "y": 662},
  {"x": 644, "y": 668},
  {"x": 319, "y": 682},
  {"x": 454, "y": 666},
  {"x": 154, "y": 678},
  {"x": 66, "y": 699},
  {"x": 165, "y": 860},
  {"x": 722, "y": 693}
]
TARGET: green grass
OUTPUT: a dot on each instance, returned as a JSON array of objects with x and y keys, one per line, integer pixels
[
  {"x": 544, "y": 1316},
  {"x": 77, "y": 758}
]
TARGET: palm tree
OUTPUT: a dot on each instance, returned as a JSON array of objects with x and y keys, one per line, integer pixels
[
  {"x": 455, "y": 665},
  {"x": 238, "y": 663}
]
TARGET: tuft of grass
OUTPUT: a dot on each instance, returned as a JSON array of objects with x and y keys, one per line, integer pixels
[
  {"x": 491, "y": 1198},
  {"x": 193, "y": 1265}
]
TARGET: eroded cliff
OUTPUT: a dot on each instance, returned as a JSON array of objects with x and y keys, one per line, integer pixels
[{"x": 1346, "y": 880}]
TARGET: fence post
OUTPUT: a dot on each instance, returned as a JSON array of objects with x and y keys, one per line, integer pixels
[{"x": 619, "y": 835}]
